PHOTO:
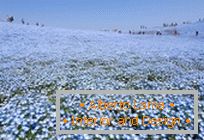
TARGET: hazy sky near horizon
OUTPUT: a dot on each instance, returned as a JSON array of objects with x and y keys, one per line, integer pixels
[{"x": 102, "y": 14}]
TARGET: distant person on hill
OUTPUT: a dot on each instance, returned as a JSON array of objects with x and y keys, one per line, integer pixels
[
  {"x": 175, "y": 32},
  {"x": 10, "y": 19},
  {"x": 22, "y": 21},
  {"x": 197, "y": 33}
]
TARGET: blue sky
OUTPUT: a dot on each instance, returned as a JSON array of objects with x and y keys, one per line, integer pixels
[{"x": 102, "y": 14}]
